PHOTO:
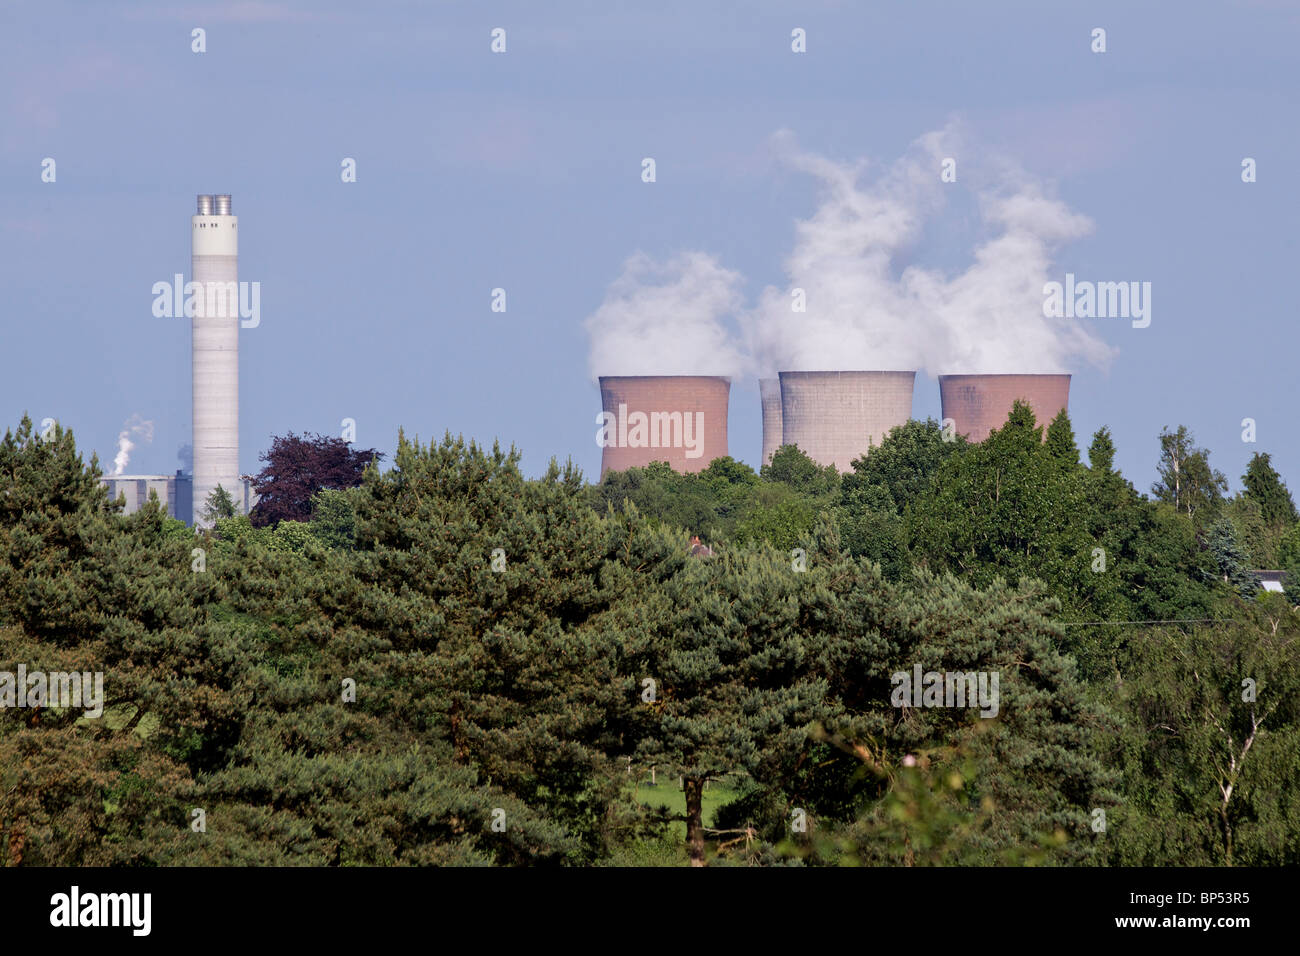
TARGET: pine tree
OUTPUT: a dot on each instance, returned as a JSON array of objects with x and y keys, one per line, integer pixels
[
  {"x": 219, "y": 505},
  {"x": 1231, "y": 559},
  {"x": 1101, "y": 453},
  {"x": 1291, "y": 582},
  {"x": 490, "y": 595},
  {"x": 1265, "y": 485},
  {"x": 1028, "y": 777},
  {"x": 1060, "y": 440},
  {"x": 1107, "y": 490},
  {"x": 83, "y": 588},
  {"x": 723, "y": 662}
]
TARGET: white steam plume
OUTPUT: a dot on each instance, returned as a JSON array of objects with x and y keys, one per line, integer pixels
[
  {"x": 990, "y": 317},
  {"x": 667, "y": 318},
  {"x": 858, "y": 315},
  {"x": 865, "y": 312},
  {"x": 135, "y": 427},
  {"x": 865, "y": 307}
]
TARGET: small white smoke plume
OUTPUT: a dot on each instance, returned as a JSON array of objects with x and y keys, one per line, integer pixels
[
  {"x": 667, "y": 318},
  {"x": 137, "y": 428}
]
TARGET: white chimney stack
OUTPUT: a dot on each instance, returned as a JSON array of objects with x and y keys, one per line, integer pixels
[{"x": 214, "y": 250}]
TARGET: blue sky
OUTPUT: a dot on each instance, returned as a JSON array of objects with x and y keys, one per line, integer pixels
[{"x": 522, "y": 171}]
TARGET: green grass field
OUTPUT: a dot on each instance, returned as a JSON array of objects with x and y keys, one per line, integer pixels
[
  {"x": 667, "y": 793},
  {"x": 671, "y": 850}
]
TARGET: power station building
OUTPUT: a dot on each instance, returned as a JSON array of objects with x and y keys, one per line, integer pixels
[
  {"x": 214, "y": 249},
  {"x": 175, "y": 492},
  {"x": 978, "y": 404},
  {"x": 680, "y": 419},
  {"x": 835, "y": 417}
]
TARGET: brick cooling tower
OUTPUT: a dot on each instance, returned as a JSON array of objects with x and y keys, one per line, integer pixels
[
  {"x": 835, "y": 417},
  {"x": 769, "y": 391},
  {"x": 680, "y": 419},
  {"x": 981, "y": 403}
]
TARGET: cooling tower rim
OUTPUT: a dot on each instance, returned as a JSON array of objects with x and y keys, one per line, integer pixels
[
  {"x": 663, "y": 378},
  {"x": 849, "y": 371},
  {"x": 852, "y": 374},
  {"x": 949, "y": 375}
]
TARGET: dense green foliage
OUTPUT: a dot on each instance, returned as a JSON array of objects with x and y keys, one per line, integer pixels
[{"x": 454, "y": 664}]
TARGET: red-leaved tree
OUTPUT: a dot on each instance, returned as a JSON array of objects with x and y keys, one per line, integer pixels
[{"x": 298, "y": 467}]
